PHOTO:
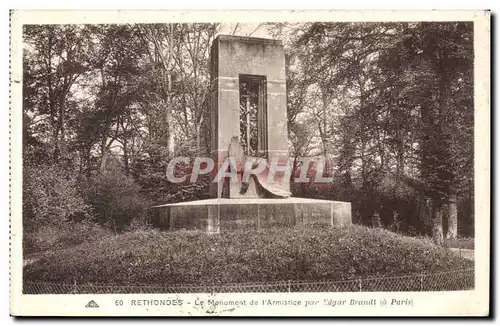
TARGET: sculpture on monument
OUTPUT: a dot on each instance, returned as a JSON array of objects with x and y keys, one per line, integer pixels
[{"x": 255, "y": 184}]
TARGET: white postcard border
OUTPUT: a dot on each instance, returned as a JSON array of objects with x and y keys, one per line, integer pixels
[{"x": 468, "y": 303}]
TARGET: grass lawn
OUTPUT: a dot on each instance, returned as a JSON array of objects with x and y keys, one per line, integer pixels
[{"x": 154, "y": 257}]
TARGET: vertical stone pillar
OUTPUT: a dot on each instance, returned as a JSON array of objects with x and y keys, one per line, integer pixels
[
  {"x": 213, "y": 221},
  {"x": 232, "y": 56}
]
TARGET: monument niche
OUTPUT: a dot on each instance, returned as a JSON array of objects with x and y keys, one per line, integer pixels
[{"x": 248, "y": 132}]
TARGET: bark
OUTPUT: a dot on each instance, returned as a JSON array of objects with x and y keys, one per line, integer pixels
[
  {"x": 425, "y": 210},
  {"x": 125, "y": 156},
  {"x": 62, "y": 125},
  {"x": 198, "y": 134},
  {"x": 88, "y": 167},
  {"x": 170, "y": 136},
  {"x": 400, "y": 149},
  {"x": 452, "y": 218},
  {"x": 437, "y": 223},
  {"x": 104, "y": 156},
  {"x": 51, "y": 96},
  {"x": 322, "y": 126},
  {"x": 166, "y": 63},
  {"x": 324, "y": 137}
]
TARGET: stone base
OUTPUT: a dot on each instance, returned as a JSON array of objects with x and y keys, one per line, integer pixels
[{"x": 213, "y": 215}]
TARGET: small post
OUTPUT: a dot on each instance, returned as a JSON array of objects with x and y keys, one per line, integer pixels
[
  {"x": 289, "y": 286},
  {"x": 359, "y": 285},
  {"x": 421, "y": 282}
]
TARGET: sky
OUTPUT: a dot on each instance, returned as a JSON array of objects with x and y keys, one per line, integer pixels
[{"x": 246, "y": 29}]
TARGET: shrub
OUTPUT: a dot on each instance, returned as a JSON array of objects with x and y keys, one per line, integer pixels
[
  {"x": 50, "y": 197},
  {"x": 116, "y": 200}
]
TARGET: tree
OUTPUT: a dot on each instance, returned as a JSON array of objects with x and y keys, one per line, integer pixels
[
  {"x": 57, "y": 56},
  {"x": 399, "y": 97}
]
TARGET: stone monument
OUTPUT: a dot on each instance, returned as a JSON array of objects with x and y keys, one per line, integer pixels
[{"x": 248, "y": 132}]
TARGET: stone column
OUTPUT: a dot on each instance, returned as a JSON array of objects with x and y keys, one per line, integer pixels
[{"x": 232, "y": 56}]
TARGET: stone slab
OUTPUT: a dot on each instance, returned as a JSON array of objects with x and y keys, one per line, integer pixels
[{"x": 214, "y": 215}]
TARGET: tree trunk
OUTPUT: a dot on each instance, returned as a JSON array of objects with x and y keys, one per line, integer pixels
[
  {"x": 88, "y": 167},
  {"x": 170, "y": 136},
  {"x": 322, "y": 125},
  {"x": 125, "y": 156},
  {"x": 104, "y": 156},
  {"x": 166, "y": 63},
  {"x": 198, "y": 135},
  {"x": 425, "y": 210},
  {"x": 452, "y": 218},
  {"x": 61, "y": 126},
  {"x": 55, "y": 137},
  {"x": 437, "y": 222}
]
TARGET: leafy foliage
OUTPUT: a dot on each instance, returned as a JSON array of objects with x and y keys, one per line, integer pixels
[
  {"x": 392, "y": 106},
  {"x": 51, "y": 197},
  {"x": 117, "y": 200}
]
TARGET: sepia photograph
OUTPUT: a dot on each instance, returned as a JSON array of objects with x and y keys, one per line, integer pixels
[{"x": 226, "y": 157}]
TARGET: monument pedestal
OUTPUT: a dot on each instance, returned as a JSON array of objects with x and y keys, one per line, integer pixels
[{"x": 214, "y": 215}]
